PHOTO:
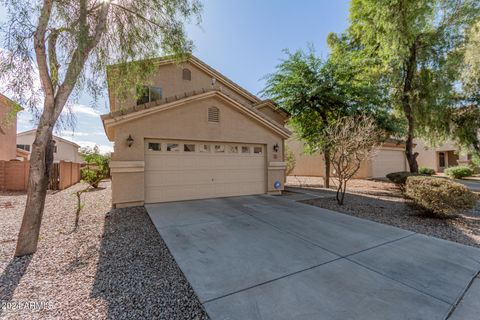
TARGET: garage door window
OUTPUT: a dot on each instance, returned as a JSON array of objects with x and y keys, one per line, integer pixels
[
  {"x": 257, "y": 150},
  {"x": 232, "y": 149},
  {"x": 189, "y": 147},
  {"x": 154, "y": 146},
  {"x": 219, "y": 148},
  {"x": 173, "y": 147},
  {"x": 204, "y": 148}
]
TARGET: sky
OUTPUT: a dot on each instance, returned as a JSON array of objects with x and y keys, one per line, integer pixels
[{"x": 242, "y": 39}]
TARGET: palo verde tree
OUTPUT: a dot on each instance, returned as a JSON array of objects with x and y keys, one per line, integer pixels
[
  {"x": 317, "y": 93},
  {"x": 67, "y": 45},
  {"x": 419, "y": 45}
]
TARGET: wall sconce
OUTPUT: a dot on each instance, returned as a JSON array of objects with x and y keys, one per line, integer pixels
[
  {"x": 129, "y": 140},
  {"x": 276, "y": 147}
]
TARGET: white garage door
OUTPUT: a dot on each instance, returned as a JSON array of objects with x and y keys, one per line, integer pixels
[
  {"x": 185, "y": 170},
  {"x": 387, "y": 161}
]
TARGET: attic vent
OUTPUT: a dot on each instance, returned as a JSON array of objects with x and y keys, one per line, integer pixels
[
  {"x": 186, "y": 74},
  {"x": 213, "y": 114}
]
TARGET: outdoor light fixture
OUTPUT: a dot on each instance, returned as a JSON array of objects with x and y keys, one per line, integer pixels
[
  {"x": 129, "y": 140},
  {"x": 275, "y": 147}
]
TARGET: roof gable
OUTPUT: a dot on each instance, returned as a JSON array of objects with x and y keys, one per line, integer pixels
[{"x": 116, "y": 118}]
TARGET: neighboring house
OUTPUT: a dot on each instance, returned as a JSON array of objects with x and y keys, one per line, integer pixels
[
  {"x": 64, "y": 150},
  {"x": 8, "y": 128},
  {"x": 439, "y": 158},
  {"x": 192, "y": 134},
  {"x": 389, "y": 158}
]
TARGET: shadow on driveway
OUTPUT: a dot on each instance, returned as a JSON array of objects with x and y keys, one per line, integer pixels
[{"x": 136, "y": 274}]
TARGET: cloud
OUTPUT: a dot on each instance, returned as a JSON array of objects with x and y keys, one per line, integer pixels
[
  {"x": 103, "y": 148},
  {"x": 80, "y": 133},
  {"x": 82, "y": 109}
]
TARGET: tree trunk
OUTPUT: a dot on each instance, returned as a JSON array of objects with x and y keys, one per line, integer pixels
[
  {"x": 410, "y": 69},
  {"x": 326, "y": 178},
  {"x": 41, "y": 160}
]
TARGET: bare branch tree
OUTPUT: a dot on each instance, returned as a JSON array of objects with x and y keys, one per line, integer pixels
[
  {"x": 57, "y": 48},
  {"x": 352, "y": 140}
]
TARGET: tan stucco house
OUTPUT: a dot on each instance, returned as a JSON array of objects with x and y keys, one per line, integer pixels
[
  {"x": 192, "y": 134},
  {"x": 389, "y": 158},
  {"x": 8, "y": 128},
  {"x": 64, "y": 150},
  {"x": 441, "y": 157}
]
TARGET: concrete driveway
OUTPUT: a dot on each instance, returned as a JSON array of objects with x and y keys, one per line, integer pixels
[{"x": 265, "y": 257}]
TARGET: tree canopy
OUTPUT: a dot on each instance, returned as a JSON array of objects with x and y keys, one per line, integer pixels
[{"x": 417, "y": 48}]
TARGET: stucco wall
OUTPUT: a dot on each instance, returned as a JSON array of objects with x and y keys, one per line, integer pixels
[
  {"x": 65, "y": 150},
  {"x": 188, "y": 122},
  {"x": 428, "y": 156},
  {"x": 169, "y": 78},
  {"x": 9, "y": 126}
]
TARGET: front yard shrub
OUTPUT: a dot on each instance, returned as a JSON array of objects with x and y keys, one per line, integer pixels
[
  {"x": 426, "y": 171},
  {"x": 459, "y": 172},
  {"x": 400, "y": 178},
  {"x": 439, "y": 196}
]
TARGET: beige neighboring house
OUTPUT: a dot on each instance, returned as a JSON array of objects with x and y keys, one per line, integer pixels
[
  {"x": 64, "y": 150},
  {"x": 439, "y": 158},
  {"x": 8, "y": 129},
  {"x": 192, "y": 134},
  {"x": 389, "y": 158}
]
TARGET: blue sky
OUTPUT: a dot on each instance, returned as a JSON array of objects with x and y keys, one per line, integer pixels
[{"x": 243, "y": 39}]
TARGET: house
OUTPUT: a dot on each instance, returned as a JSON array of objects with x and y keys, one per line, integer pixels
[
  {"x": 64, "y": 150},
  {"x": 192, "y": 134},
  {"x": 441, "y": 157},
  {"x": 8, "y": 128},
  {"x": 389, "y": 158}
]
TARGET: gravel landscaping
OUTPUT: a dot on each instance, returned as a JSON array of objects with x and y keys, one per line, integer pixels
[
  {"x": 382, "y": 202},
  {"x": 114, "y": 266}
]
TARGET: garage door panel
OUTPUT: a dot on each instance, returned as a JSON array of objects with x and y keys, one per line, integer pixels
[
  {"x": 387, "y": 161},
  {"x": 173, "y": 176}
]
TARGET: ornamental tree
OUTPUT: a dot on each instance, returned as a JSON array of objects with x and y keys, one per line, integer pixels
[{"x": 61, "y": 47}]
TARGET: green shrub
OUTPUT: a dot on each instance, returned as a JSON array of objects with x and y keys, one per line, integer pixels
[
  {"x": 426, "y": 171},
  {"x": 400, "y": 178},
  {"x": 439, "y": 196},
  {"x": 458, "y": 172},
  {"x": 92, "y": 177}
]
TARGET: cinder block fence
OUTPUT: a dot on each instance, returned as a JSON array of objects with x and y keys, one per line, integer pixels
[{"x": 14, "y": 175}]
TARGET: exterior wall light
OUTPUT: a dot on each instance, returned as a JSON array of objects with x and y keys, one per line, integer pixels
[
  {"x": 129, "y": 140},
  {"x": 275, "y": 147}
]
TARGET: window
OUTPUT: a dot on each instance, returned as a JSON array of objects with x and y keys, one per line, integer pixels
[
  {"x": 186, "y": 74},
  {"x": 25, "y": 147},
  {"x": 173, "y": 147},
  {"x": 54, "y": 149},
  {"x": 189, "y": 147},
  {"x": 154, "y": 146},
  {"x": 257, "y": 150},
  {"x": 232, "y": 149},
  {"x": 219, "y": 148},
  {"x": 213, "y": 114},
  {"x": 148, "y": 94},
  {"x": 204, "y": 148},
  {"x": 245, "y": 149}
]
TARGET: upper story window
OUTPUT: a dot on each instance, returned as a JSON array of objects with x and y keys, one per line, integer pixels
[
  {"x": 186, "y": 74},
  {"x": 148, "y": 94},
  {"x": 25, "y": 147}
]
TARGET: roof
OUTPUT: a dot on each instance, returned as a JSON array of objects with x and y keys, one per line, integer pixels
[
  {"x": 24, "y": 133},
  {"x": 2, "y": 96},
  {"x": 124, "y": 115},
  {"x": 207, "y": 69}
]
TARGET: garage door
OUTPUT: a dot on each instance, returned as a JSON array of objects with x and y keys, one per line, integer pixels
[
  {"x": 387, "y": 161},
  {"x": 185, "y": 170}
]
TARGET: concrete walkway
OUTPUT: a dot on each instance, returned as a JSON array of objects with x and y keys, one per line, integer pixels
[{"x": 265, "y": 257}]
